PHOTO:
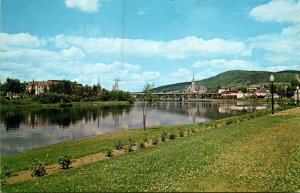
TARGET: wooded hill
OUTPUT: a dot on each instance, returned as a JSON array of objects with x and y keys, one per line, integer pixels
[{"x": 236, "y": 78}]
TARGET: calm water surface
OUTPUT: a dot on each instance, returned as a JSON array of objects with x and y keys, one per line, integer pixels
[{"x": 24, "y": 129}]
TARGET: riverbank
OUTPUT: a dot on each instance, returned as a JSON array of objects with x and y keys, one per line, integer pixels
[
  {"x": 232, "y": 154},
  {"x": 58, "y": 105}
]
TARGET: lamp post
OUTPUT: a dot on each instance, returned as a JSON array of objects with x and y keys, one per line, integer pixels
[
  {"x": 272, "y": 91},
  {"x": 297, "y": 95}
]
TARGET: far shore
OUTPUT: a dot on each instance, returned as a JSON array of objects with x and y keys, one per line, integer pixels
[{"x": 77, "y": 104}]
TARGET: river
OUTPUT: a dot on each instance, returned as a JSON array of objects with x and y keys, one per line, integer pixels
[{"x": 24, "y": 129}]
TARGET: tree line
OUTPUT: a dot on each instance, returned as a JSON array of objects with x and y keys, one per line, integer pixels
[{"x": 63, "y": 91}]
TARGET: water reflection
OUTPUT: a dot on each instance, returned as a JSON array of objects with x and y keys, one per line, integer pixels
[{"x": 24, "y": 129}]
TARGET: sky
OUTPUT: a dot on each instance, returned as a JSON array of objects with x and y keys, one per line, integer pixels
[{"x": 145, "y": 41}]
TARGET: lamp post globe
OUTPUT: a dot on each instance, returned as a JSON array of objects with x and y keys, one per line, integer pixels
[{"x": 272, "y": 78}]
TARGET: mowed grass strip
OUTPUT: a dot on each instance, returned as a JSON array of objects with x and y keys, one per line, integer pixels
[{"x": 262, "y": 154}]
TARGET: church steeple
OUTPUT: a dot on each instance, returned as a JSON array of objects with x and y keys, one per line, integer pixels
[
  {"x": 193, "y": 83},
  {"x": 193, "y": 77}
]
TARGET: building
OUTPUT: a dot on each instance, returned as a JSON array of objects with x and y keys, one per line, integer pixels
[
  {"x": 221, "y": 90},
  {"x": 195, "y": 88},
  {"x": 252, "y": 88},
  {"x": 38, "y": 87},
  {"x": 232, "y": 94},
  {"x": 262, "y": 93},
  {"x": 295, "y": 95}
]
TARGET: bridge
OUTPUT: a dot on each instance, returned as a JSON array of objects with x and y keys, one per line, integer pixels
[{"x": 179, "y": 96}]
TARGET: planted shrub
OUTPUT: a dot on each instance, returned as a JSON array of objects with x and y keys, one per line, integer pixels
[
  {"x": 155, "y": 140},
  {"x": 181, "y": 134},
  {"x": 129, "y": 147},
  {"x": 38, "y": 169},
  {"x": 145, "y": 140},
  {"x": 172, "y": 136},
  {"x": 119, "y": 145},
  {"x": 64, "y": 162},
  {"x": 131, "y": 142},
  {"x": 194, "y": 130},
  {"x": 109, "y": 153},
  {"x": 188, "y": 132},
  {"x": 228, "y": 122},
  {"x": 142, "y": 145},
  {"x": 3, "y": 182},
  {"x": 164, "y": 136}
]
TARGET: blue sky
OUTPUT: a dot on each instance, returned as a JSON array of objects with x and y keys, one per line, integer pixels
[{"x": 139, "y": 41}]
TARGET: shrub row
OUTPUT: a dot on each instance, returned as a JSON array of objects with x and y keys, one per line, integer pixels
[{"x": 38, "y": 168}]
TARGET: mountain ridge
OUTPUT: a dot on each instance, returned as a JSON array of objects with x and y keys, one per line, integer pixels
[{"x": 235, "y": 79}]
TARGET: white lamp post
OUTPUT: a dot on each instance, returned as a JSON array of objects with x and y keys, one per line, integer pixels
[
  {"x": 272, "y": 91},
  {"x": 297, "y": 95}
]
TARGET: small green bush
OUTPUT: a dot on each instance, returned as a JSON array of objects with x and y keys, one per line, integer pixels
[
  {"x": 3, "y": 182},
  {"x": 172, "y": 136},
  {"x": 181, "y": 134},
  {"x": 131, "y": 142},
  {"x": 3, "y": 100},
  {"x": 130, "y": 145},
  {"x": 38, "y": 169},
  {"x": 155, "y": 140},
  {"x": 118, "y": 145},
  {"x": 228, "y": 122},
  {"x": 188, "y": 132},
  {"x": 142, "y": 145},
  {"x": 145, "y": 140},
  {"x": 109, "y": 153},
  {"x": 164, "y": 136},
  {"x": 194, "y": 130},
  {"x": 64, "y": 162}
]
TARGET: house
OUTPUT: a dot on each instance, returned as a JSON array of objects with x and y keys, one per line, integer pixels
[
  {"x": 262, "y": 93},
  {"x": 252, "y": 88},
  {"x": 232, "y": 94},
  {"x": 38, "y": 87},
  {"x": 220, "y": 91},
  {"x": 297, "y": 92},
  {"x": 195, "y": 88}
]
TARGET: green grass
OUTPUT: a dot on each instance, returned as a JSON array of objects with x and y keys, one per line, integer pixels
[{"x": 260, "y": 154}]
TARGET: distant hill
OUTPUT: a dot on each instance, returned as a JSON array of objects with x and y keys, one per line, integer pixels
[{"x": 236, "y": 78}]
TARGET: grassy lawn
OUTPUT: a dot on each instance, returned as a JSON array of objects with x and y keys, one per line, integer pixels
[{"x": 260, "y": 154}]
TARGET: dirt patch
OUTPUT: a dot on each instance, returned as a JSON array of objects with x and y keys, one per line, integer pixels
[{"x": 54, "y": 168}]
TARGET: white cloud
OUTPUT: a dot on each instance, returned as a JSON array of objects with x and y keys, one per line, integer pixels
[
  {"x": 281, "y": 68},
  {"x": 175, "y": 49},
  {"x": 182, "y": 72},
  {"x": 21, "y": 40},
  {"x": 84, "y": 5},
  {"x": 278, "y": 48},
  {"x": 224, "y": 64},
  {"x": 278, "y": 11},
  {"x": 196, "y": 46}
]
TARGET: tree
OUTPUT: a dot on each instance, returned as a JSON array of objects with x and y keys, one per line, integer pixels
[
  {"x": 242, "y": 88},
  {"x": 148, "y": 101},
  {"x": 281, "y": 90},
  {"x": 12, "y": 86}
]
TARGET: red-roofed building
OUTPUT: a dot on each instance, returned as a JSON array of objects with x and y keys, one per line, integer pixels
[
  {"x": 232, "y": 94},
  {"x": 39, "y": 87}
]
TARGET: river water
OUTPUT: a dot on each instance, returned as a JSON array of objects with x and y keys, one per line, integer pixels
[{"x": 24, "y": 129}]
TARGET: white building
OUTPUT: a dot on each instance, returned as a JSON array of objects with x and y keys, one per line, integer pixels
[
  {"x": 39, "y": 87},
  {"x": 295, "y": 95}
]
